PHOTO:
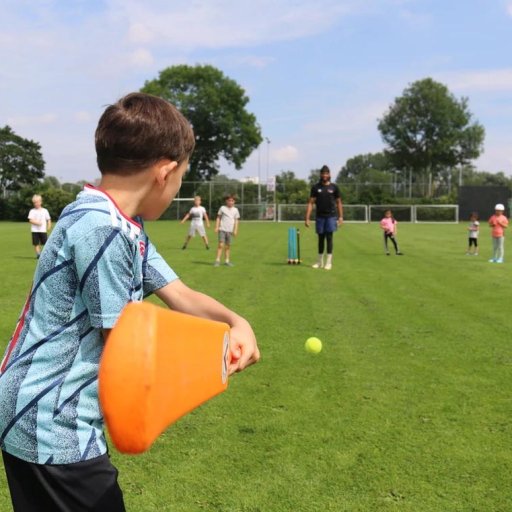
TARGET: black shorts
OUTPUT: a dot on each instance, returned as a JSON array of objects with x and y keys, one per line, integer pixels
[
  {"x": 473, "y": 241},
  {"x": 39, "y": 238},
  {"x": 89, "y": 486}
]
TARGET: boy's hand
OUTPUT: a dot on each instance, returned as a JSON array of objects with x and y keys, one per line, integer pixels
[{"x": 243, "y": 346}]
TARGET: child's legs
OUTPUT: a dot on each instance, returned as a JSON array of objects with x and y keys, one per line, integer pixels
[
  {"x": 328, "y": 237},
  {"x": 386, "y": 236},
  {"x": 500, "y": 249},
  {"x": 393, "y": 239},
  {"x": 227, "y": 252},
  {"x": 321, "y": 243},
  {"x": 36, "y": 242},
  {"x": 495, "y": 247},
  {"x": 219, "y": 250},
  {"x": 89, "y": 485},
  {"x": 202, "y": 233}
]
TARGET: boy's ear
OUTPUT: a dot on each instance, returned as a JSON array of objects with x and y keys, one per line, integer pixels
[{"x": 164, "y": 169}]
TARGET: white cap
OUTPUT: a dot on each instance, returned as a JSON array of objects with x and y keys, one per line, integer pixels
[{"x": 499, "y": 206}]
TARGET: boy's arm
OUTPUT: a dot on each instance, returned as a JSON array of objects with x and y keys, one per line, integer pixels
[
  {"x": 217, "y": 224},
  {"x": 187, "y": 215},
  {"x": 48, "y": 224},
  {"x": 235, "y": 228},
  {"x": 243, "y": 345},
  {"x": 207, "y": 219},
  {"x": 33, "y": 221}
]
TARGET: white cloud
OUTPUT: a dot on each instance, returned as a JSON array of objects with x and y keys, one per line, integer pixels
[
  {"x": 82, "y": 116},
  {"x": 509, "y": 9},
  {"x": 142, "y": 58},
  {"x": 225, "y": 23},
  {"x": 285, "y": 154},
  {"x": 479, "y": 80},
  {"x": 42, "y": 119}
]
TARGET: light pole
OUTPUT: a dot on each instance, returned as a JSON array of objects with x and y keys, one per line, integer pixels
[
  {"x": 259, "y": 174},
  {"x": 268, "y": 155}
]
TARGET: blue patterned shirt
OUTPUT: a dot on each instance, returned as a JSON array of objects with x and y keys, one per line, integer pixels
[{"x": 95, "y": 262}]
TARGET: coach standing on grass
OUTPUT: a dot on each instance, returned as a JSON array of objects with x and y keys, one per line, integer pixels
[{"x": 329, "y": 214}]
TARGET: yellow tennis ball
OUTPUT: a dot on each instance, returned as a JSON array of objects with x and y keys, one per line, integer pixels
[{"x": 313, "y": 345}]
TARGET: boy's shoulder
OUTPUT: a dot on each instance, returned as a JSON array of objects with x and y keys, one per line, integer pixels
[{"x": 94, "y": 210}]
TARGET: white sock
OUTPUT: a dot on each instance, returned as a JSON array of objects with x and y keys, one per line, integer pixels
[{"x": 329, "y": 259}]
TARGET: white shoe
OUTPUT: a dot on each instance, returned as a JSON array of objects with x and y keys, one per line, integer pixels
[
  {"x": 317, "y": 265},
  {"x": 328, "y": 266}
]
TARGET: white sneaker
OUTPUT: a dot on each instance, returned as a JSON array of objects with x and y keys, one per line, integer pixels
[
  {"x": 328, "y": 266},
  {"x": 317, "y": 265}
]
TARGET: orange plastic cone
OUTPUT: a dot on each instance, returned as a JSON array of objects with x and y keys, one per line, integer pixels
[{"x": 158, "y": 365}]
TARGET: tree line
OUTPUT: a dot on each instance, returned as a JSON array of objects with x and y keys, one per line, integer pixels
[{"x": 430, "y": 140}]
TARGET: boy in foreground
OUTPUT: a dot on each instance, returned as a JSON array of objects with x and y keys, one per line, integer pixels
[{"x": 97, "y": 259}]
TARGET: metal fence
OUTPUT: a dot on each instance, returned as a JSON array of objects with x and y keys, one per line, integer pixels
[{"x": 352, "y": 213}]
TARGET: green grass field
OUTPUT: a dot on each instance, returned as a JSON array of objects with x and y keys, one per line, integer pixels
[{"x": 407, "y": 408}]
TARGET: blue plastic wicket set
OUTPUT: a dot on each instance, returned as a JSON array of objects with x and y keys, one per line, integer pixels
[{"x": 293, "y": 246}]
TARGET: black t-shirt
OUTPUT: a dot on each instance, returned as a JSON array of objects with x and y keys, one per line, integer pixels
[{"x": 325, "y": 196}]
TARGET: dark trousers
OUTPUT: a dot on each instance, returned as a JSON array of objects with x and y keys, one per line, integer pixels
[
  {"x": 322, "y": 238},
  {"x": 87, "y": 486},
  {"x": 391, "y": 237}
]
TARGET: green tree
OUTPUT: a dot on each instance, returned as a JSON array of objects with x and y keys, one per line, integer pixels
[
  {"x": 471, "y": 176},
  {"x": 356, "y": 166},
  {"x": 21, "y": 161},
  {"x": 367, "y": 178},
  {"x": 290, "y": 189},
  {"x": 428, "y": 130},
  {"x": 314, "y": 177},
  {"x": 216, "y": 107}
]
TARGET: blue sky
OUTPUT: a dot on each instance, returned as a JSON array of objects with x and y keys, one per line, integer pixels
[{"x": 318, "y": 73}]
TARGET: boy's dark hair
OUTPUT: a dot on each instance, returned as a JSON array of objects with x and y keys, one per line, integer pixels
[
  {"x": 325, "y": 169},
  {"x": 138, "y": 131},
  {"x": 229, "y": 196}
]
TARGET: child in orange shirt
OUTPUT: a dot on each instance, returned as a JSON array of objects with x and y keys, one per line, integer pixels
[{"x": 498, "y": 223}]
